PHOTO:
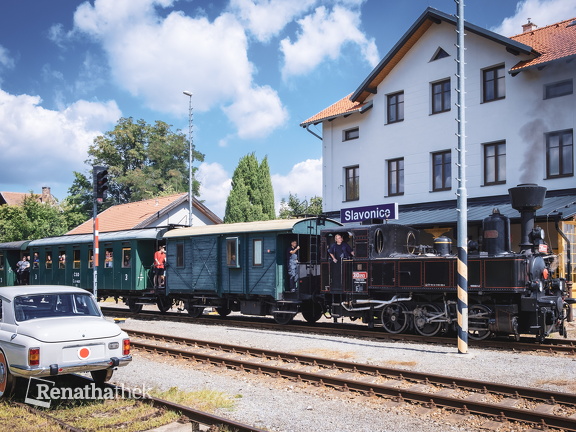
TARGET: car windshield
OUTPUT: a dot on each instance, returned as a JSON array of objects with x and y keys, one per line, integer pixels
[{"x": 54, "y": 305}]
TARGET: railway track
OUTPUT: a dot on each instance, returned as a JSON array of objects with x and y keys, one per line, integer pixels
[
  {"x": 195, "y": 417},
  {"x": 526, "y": 344},
  {"x": 499, "y": 402}
]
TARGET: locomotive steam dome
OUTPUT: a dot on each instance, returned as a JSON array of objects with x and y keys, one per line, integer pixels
[{"x": 527, "y": 198}]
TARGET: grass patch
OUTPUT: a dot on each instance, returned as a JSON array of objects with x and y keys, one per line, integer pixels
[
  {"x": 203, "y": 400},
  {"x": 130, "y": 415},
  {"x": 16, "y": 418}
]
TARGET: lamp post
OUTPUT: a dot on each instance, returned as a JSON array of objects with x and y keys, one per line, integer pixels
[{"x": 190, "y": 159}]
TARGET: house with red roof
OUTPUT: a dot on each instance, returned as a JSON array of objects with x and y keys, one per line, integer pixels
[
  {"x": 394, "y": 139},
  {"x": 17, "y": 198},
  {"x": 157, "y": 212}
]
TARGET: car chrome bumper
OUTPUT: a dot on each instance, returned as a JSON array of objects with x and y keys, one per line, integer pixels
[{"x": 55, "y": 369}]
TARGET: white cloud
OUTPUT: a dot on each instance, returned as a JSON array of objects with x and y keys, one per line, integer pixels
[
  {"x": 266, "y": 18},
  {"x": 322, "y": 37},
  {"x": 157, "y": 58},
  {"x": 540, "y": 12},
  {"x": 6, "y": 62},
  {"x": 257, "y": 112},
  {"x": 215, "y": 186},
  {"x": 304, "y": 180},
  {"x": 35, "y": 140}
]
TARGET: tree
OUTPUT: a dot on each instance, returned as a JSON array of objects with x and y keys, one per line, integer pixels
[
  {"x": 30, "y": 221},
  {"x": 144, "y": 161},
  {"x": 252, "y": 195},
  {"x": 296, "y": 208}
]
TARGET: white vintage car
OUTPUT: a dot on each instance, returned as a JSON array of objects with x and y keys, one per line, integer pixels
[{"x": 55, "y": 330}]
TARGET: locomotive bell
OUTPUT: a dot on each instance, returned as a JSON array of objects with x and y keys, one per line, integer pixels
[{"x": 527, "y": 198}]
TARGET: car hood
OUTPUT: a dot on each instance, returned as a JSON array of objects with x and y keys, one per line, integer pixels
[{"x": 68, "y": 329}]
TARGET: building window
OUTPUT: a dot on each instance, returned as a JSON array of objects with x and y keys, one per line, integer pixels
[
  {"x": 495, "y": 163},
  {"x": 396, "y": 177},
  {"x": 560, "y": 154},
  {"x": 396, "y": 107},
  {"x": 494, "y": 83},
  {"x": 441, "y": 96},
  {"x": 353, "y": 183},
  {"x": 558, "y": 89},
  {"x": 441, "y": 171},
  {"x": 351, "y": 134},
  {"x": 257, "y": 252}
]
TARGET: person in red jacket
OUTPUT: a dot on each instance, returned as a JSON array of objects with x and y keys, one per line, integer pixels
[{"x": 159, "y": 261}]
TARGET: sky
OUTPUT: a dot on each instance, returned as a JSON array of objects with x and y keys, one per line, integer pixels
[{"x": 69, "y": 70}]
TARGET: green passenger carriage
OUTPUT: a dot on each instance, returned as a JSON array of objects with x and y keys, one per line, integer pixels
[{"x": 242, "y": 267}]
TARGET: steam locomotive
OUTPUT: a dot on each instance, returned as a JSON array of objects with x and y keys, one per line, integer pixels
[{"x": 404, "y": 286}]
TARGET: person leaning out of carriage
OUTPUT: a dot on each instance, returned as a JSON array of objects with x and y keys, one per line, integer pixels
[{"x": 159, "y": 262}]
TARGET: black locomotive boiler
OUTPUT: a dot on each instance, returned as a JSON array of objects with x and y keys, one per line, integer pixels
[{"x": 394, "y": 281}]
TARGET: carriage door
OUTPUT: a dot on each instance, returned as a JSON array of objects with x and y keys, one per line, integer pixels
[
  {"x": 35, "y": 268},
  {"x": 108, "y": 270},
  {"x": 76, "y": 267},
  {"x": 233, "y": 281},
  {"x": 126, "y": 270}
]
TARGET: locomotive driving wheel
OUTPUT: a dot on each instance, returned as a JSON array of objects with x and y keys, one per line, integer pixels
[
  {"x": 478, "y": 319},
  {"x": 394, "y": 318},
  {"x": 424, "y": 319}
]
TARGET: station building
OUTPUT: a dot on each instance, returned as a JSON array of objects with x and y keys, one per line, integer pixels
[{"x": 394, "y": 138}]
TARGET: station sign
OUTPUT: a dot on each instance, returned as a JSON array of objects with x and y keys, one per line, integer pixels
[{"x": 359, "y": 214}]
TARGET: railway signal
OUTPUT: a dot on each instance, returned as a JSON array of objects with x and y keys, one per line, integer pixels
[{"x": 100, "y": 175}]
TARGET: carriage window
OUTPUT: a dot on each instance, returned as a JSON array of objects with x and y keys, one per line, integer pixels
[
  {"x": 48, "y": 261},
  {"x": 257, "y": 254},
  {"x": 62, "y": 259},
  {"x": 126, "y": 257},
  {"x": 232, "y": 252},
  {"x": 76, "y": 263},
  {"x": 90, "y": 258},
  {"x": 35, "y": 261},
  {"x": 1, "y": 262},
  {"x": 179, "y": 254},
  {"x": 109, "y": 260}
]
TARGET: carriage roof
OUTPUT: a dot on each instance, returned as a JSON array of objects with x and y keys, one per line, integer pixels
[{"x": 293, "y": 226}]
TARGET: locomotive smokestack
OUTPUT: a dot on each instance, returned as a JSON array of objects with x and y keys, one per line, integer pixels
[{"x": 527, "y": 198}]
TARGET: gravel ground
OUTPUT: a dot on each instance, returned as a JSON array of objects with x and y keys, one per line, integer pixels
[{"x": 280, "y": 405}]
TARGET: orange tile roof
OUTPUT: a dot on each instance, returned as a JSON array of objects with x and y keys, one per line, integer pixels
[
  {"x": 342, "y": 107},
  {"x": 13, "y": 198},
  {"x": 136, "y": 214},
  {"x": 553, "y": 42},
  {"x": 548, "y": 44}
]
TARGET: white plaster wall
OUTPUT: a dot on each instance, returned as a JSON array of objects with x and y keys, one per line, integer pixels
[{"x": 521, "y": 119}]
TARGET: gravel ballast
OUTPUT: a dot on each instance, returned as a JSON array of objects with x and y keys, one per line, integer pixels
[{"x": 281, "y": 405}]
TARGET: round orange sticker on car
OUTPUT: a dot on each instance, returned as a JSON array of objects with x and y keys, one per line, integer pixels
[{"x": 84, "y": 353}]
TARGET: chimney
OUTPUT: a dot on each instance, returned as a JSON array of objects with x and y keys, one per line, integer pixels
[
  {"x": 529, "y": 26},
  {"x": 46, "y": 195}
]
